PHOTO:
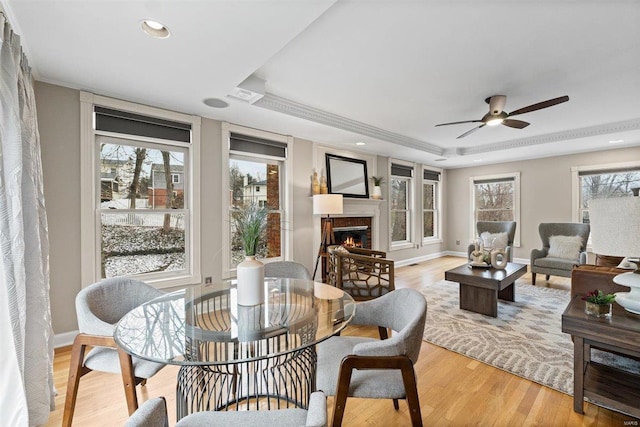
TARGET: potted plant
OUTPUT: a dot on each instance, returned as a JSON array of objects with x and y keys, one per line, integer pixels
[
  {"x": 598, "y": 304},
  {"x": 250, "y": 223},
  {"x": 377, "y": 182}
]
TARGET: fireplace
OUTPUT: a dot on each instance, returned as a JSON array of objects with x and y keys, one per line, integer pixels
[{"x": 352, "y": 231}]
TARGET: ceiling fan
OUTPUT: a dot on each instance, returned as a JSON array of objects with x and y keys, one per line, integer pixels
[{"x": 497, "y": 116}]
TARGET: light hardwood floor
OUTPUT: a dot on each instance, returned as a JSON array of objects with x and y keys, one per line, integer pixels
[{"x": 454, "y": 390}]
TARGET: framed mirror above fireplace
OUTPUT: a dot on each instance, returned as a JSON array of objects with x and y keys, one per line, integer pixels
[{"x": 347, "y": 176}]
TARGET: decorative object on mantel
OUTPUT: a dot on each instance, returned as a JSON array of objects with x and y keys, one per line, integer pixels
[
  {"x": 315, "y": 184},
  {"x": 615, "y": 230},
  {"x": 250, "y": 223},
  {"x": 598, "y": 304},
  {"x": 326, "y": 204},
  {"x": 323, "y": 185},
  {"x": 377, "y": 182}
]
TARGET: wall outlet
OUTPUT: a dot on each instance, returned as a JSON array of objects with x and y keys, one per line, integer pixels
[
  {"x": 207, "y": 280},
  {"x": 458, "y": 242}
]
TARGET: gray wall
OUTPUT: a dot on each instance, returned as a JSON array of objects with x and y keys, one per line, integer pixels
[{"x": 545, "y": 188}]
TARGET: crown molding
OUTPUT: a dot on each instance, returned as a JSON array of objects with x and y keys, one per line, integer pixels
[
  {"x": 285, "y": 106},
  {"x": 585, "y": 132}
]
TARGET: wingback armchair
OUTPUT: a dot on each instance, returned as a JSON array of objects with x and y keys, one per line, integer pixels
[
  {"x": 563, "y": 247},
  {"x": 362, "y": 273},
  {"x": 494, "y": 227}
]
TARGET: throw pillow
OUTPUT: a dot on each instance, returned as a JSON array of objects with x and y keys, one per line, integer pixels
[
  {"x": 495, "y": 240},
  {"x": 565, "y": 247}
]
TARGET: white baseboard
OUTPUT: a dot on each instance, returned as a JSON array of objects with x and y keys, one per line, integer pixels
[
  {"x": 64, "y": 339},
  {"x": 415, "y": 260}
]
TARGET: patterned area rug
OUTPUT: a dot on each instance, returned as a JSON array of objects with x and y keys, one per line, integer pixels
[{"x": 525, "y": 339}]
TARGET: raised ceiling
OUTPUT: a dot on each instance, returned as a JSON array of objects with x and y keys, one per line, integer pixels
[{"x": 380, "y": 72}]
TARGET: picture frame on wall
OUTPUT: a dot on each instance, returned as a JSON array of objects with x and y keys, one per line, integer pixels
[{"x": 347, "y": 176}]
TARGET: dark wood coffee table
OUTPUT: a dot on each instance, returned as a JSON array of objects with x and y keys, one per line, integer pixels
[{"x": 480, "y": 288}]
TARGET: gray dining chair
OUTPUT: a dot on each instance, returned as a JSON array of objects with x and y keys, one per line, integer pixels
[
  {"x": 98, "y": 308},
  {"x": 351, "y": 366},
  {"x": 286, "y": 269},
  {"x": 153, "y": 413}
]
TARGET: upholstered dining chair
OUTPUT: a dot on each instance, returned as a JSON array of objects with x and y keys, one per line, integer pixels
[
  {"x": 494, "y": 227},
  {"x": 153, "y": 413},
  {"x": 563, "y": 247},
  {"x": 98, "y": 308},
  {"x": 351, "y": 366},
  {"x": 286, "y": 269}
]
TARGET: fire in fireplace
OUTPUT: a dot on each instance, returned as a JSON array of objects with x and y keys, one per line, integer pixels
[{"x": 354, "y": 236}]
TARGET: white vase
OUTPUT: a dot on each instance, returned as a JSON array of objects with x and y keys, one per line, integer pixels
[
  {"x": 377, "y": 192},
  {"x": 250, "y": 281}
]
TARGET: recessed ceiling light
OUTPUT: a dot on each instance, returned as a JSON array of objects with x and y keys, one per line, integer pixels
[
  {"x": 155, "y": 29},
  {"x": 216, "y": 103},
  {"x": 361, "y": 143},
  {"x": 616, "y": 141},
  {"x": 442, "y": 159},
  {"x": 477, "y": 160}
]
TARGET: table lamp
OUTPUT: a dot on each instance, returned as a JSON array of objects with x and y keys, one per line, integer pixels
[
  {"x": 326, "y": 204},
  {"x": 615, "y": 231}
]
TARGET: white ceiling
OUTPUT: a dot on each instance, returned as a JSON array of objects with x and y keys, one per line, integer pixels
[{"x": 387, "y": 71}]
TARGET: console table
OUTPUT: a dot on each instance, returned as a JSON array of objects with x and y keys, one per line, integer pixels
[{"x": 603, "y": 385}]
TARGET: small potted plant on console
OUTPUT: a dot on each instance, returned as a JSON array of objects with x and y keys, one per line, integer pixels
[{"x": 598, "y": 304}]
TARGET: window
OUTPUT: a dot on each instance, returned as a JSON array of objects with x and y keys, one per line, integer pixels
[
  {"x": 600, "y": 182},
  {"x": 430, "y": 205},
  {"x": 257, "y": 169},
  {"x": 496, "y": 198},
  {"x": 136, "y": 221},
  {"x": 400, "y": 204}
]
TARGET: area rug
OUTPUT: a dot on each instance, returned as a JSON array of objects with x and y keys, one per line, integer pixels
[{"x": 525, "y": 339}]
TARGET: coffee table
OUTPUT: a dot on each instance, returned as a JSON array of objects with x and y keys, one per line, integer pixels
[{"x": 480, "y": 288}]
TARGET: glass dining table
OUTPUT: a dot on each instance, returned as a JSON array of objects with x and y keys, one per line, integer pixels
[{"x": 235, "y": 357}]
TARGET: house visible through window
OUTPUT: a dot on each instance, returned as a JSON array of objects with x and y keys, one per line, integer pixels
[
  {"x": 400, "y": 203},
  {"x": 256, "y": 177},
  {"x": 145, "y": 219}
]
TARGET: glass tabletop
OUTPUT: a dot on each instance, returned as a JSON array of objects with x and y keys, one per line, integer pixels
[{"x": 204, "y": 325}]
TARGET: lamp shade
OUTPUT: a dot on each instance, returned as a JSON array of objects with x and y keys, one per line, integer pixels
[
  {"x": 615, "y": 226},
  {"x": 327, "y": 204}
]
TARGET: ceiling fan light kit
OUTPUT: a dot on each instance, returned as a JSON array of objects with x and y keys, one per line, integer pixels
[{"x": 497, "y": 116}]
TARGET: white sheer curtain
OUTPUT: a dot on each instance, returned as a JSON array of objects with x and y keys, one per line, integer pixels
[{"x": 26, "y": 338}]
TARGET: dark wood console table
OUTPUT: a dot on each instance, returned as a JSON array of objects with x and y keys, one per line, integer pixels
[{"x": 603, "y": 385}]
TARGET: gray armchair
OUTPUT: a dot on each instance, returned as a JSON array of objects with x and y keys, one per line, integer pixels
[
  {"x": 350, "y": 366},
  {"x": 99, "y": 307},
  {"x": 493, "y": 227},
  {"x": 153, "y": 413},
  {"x": 286, "y": 269},
  {"x": 542, "y": 263}
]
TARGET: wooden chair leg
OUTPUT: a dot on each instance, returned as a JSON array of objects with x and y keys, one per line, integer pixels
[
  {"x": 75, "y": 372},
  {"x": 396, "y": 405},
  {"x": 342, "y": 391},
  {"x": 533, "y": 279},
  {"x": 548, "y": 276},
  {"x": 128, "y": 380},
  {"x": 411, "y": 389}
]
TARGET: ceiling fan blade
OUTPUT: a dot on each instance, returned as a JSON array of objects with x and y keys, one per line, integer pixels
[
  {"x": 496, "y": 104},
  {"x": 469, "y": 132},
  {"x": 512, "y": 123},
  {"x": 540, "y": 105},
  {"x": 457, "y": 123}
]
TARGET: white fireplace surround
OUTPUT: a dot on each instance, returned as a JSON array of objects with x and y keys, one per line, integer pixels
[{"x": 354, "y": 207}]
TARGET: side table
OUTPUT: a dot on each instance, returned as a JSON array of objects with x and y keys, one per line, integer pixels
[{"x": 603, "y": 385}]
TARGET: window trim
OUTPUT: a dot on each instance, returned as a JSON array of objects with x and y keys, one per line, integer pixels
[
  {"x": 286, "y": 216},
  {"x": 89, "y": 165},
  {"x": 410, "y": 241},
  {"x": 437, "y": 209},
  {"x": 515, "y": 176}
]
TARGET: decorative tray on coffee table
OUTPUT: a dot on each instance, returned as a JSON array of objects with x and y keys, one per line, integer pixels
[{"x": 479, "y": 265}]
